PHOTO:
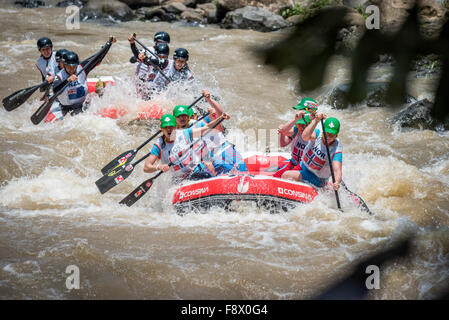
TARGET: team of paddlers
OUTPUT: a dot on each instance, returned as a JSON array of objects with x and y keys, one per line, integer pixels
[{"x": 188, "y": 147}]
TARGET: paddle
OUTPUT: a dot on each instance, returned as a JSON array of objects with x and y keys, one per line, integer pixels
[
  {"x": 16, "y": 99},
  {"x": 143, "y": 188},
  {"x": 357, "y": 199},
  {"x": 118, "y": 174},
  {"x": 330, "y": 165},
  {"x": 129, "y": 155},
  {"x": 40, "y": 113},
  {"x": 153, "y": 64}
]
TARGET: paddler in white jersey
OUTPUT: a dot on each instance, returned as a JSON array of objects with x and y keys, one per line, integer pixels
[
  {"x": 72, "y": 98},
  {"x": 291, "y": 133},
  {"x": 46, "y": 63},
  {"x": 144, "y": 71},
  {"x": 176, "y": 70},
  {"x": 315, "y": 167},
  {"x": 178, "y": 140},
  {"x": 59, "y": 59}
]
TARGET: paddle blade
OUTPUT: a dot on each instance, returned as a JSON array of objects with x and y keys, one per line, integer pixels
[
  {"x": 42, "y": 112},
  {"x": 356, "y": 199},
  {"x": 113, "y": 178},
  {"x": 138, "y": 193},
  {"x": 16, "y": 99},
  {"x": 125, "y": 157}
]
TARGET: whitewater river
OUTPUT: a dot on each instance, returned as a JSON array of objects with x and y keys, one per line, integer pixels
[{"x": 52, "y": 215}]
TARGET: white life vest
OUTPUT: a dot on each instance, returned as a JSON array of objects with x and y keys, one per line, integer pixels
[
  {"x": 175, "y": 75},
  {"x": 160, "y": 81},
  {"x": 315, "y": 157},
  {"x": 185, "y": 160},
  {"x": 75, "y": 92},
  {"x": 47, "y": 66},
  {"x": 164, "y": 149},
  {"x": 298, "y": 145}
]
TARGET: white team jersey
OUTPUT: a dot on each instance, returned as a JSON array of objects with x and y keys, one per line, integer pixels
[
  {"x": 184, "y": 159},
  {"x": 175, "y": 75},
  {"x": 164, "y": 150},
  {"x": 298, "y": 145},
  {"x": 146, "y": 72},
  {"x": 75, "y": 92},
  {"x": 315, "y": 156},
  {"x": 142, "y": 71},
  {"x": 160, "y": 80},
  {"x": 47, "y": 66}
]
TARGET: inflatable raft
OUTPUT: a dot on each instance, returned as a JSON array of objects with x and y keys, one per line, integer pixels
[
  {"x": 257, "y": 186},
  {"x": 145, "y": 109}
]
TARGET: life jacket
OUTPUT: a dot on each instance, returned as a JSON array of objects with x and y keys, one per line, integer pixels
[
  {"x": 75, "y": 93},
  {"x": 47, "y": 66},
  {"x": 315, "y": 157}
]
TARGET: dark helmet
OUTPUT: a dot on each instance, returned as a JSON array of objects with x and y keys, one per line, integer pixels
[
  {"x": 44, "y": 42},
  {"x": 162, "y": 49},
  {"x": 162, "y": 36},
  {"x": 60, "y": 53},
  {"x": 181, "y": 53},
  {"x": 71, "y": 59}
]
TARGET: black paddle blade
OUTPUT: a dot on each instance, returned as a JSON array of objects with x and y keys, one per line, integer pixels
[
  {"x": 16, "y": 99},
  {"x": 113, "y": 178},
  {"x": 42, "y": 112},
  {"x": 125, "y": 157},
  {"x": 138, "y": 193}
]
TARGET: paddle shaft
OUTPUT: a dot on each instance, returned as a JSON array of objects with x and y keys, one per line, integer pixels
[
  {"x": 330, "y": 165},
  {"x": 154, "y": 65},
  {"x": 16, "y": 99}
]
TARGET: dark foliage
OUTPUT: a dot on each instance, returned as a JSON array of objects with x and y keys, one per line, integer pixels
[{"x": 312, "y": 43}]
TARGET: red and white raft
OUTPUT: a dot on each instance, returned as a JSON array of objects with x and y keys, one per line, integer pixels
[
  {"x": 258, "y": 186},
  {"x": 145, "y": 109}
]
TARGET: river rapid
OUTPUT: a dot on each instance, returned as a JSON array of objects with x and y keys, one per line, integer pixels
[{"x": 52, "y": 215}]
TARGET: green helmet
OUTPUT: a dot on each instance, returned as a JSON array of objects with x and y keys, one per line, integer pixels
[
  {"x": 301, "y": 121},
  {"x": 306, "y": 103},
  {"x": 332, "y": 125},
  {"x": 192, "y": 111},
  {"x": 168, "y": 120},
  {"x": 180, "y": 110}
]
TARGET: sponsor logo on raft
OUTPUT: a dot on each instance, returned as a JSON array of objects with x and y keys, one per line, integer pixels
[
  {"x": 297, "y": 194},
  {"x": 193, "y": 193}
]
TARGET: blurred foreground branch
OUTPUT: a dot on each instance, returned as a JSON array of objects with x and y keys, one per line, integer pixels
[{"x": 312, "y": 44}]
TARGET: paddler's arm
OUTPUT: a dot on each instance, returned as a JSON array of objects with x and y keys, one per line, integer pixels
[
  {"x": 197, "y": 132},
  {"x": 150, "y": 167},
  {"x": 100, "y": 58},
  {"x": 309, "y": 132},
  {"x": 337, "y": 166},
  {"x": 216, "y": 111},
  {"x": 285, "y": 130},
  {"x": 214, "y": 104},
  {"x": 133, "y": 45}
]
